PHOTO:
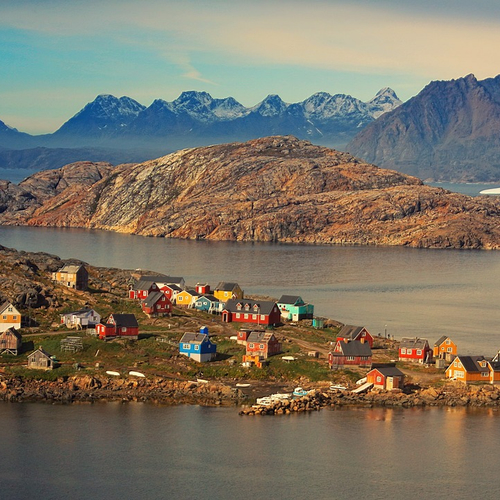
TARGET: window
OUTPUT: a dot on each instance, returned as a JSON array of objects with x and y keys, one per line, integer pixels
[
  {"x": 124, "y": 329},
  {"x": 419, "y": 352},
  {"x": 254, "y": 316},
  {"x": 409, "y": 351},
  {"x": 379, "y": 378},
  {"x": 261, "y": 346},
  {"x": 403, "y": 350},
  {"x": 349, "y": 358},
  {"x": 449, "y": 349},
  {"x": 186, "y": 346},
  {"x": 14, "y": 318},
  {"x": 196, "y": 347},
  {"x": 447, "y": 341},
  {"x": 238, "y": 315},
  {"x": 485, "y": 374},
  {"x": 251, "y": 346},
  {"x": 246, "y": 316},
  {"x": 262, "y": 317}
]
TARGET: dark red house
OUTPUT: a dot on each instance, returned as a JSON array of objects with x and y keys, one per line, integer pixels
[
  {"x": 156, "y": 304},
  {"x": 262, "y": 344},
  {"x": 351, "y": 353},
  {"x": 349, "y": 333},
  {"x": 261, "y": 312},
  {"x": 415, "y": 349},
  {"x": 119, "y": 325}
]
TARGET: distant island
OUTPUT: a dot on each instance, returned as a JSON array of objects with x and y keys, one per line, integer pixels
[{"x": 275, "y": 189}]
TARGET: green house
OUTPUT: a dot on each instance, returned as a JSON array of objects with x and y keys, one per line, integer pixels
[{"x": 293, "y": 308}]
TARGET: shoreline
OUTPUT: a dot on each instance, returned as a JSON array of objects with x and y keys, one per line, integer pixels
[{"x": 84, "y": 389}]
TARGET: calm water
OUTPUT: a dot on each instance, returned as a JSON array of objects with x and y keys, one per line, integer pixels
[
  {"x": 406, "y": 292},
  {"x": 114, "y": 451}
]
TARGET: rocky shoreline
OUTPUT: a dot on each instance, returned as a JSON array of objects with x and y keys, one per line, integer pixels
[
  {"x": 449, "y": 396},
  {"x": 160, "y": 390}
]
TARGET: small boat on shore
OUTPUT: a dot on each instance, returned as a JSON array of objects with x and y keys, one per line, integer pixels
[
  {"x": 201, "y": 381},
  {"x": 298, "y": 392},
  {"x": 137, "y": 374},
  {"x": 111, "y": 372},
  {"x": 241, "y": 384}
]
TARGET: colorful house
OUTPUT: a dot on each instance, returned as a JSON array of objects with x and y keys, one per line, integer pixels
[
  {"x": 186, "y": 298},
  {"x": 415, "y": 349},
  {"x": 208, "y": 303},
  {"x": 445, "y": 348},
  {"x": 83, "y": 318},
  {"x": 10, "y": 317},
  {"x": 349, "y": 333},
  {"x": 202, "y": 288},
  {"x": 350, "y": 353},
  {"x": 41, "y": 360},
  {"x": 10, "y": 342},
  {"x": 141, "y": 289},
  {"x": 156, "y": 304},
  {"x": 386, "y": 376},
  {"x": 171, "y": 291},
  {"x": 119, "y": 325},
  {"x": 468, "y": 369},
  {"x": 225, "y": 291},
  {"x": 261, "y": 312},
  {"x": 293, "y": 308},
  {"x": 198, "y": 346},
  {"x": 262, "y": 344},
  {"x": 72, "y": 276}
]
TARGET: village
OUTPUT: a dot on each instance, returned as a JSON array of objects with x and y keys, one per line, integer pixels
[{"x": 258, "y": 340}]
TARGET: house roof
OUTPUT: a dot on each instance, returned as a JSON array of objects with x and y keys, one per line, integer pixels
[
  {"x": 143, "y": 285},
  {"x": 353, "y": 348},
  {"x": 70, "y": 268},
  {"x": 264, "y": 306},
  {"x": 413, "y": 343},
  {"x": 125, "y": 320},
  {"x": 291, "y": 300},
  {"x": 5, "y": 305},
  {"x": 440, "y": 340},
  {"x": 350, "y": 331},
  {"x": 209, "y": 296},
  {"x": 224, "y": 286},
  {"x": 194, "y": 338},
  {"x": 80, "y": 312},
  {"x": 12, "y": 331},
  {"x": 152, "y": 298},
  {"x": 174, "y": 287},
  {"x": 389, "y": 371},
  {"x": 260, "y": 336},
  {"x": 42, "y": 350},
  {"x": 471, "y": 363}
]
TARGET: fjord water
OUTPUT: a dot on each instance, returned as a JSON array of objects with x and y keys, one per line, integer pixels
[
  {"x": 394, "y": 291},
  {"x": 121, "y": 451}
]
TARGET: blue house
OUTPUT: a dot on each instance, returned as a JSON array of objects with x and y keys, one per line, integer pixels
[
  {"x": 208, "y": 303},
  {"x": 293, "y": 308},
  {"x": 198, "y": 346}
]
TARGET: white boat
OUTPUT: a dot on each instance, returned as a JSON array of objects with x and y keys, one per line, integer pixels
[
  {"x": 240, "y": 384},
  {"x": 201, "y": 381},
  {"x": 280, "y": 396},
  {"x": 111, "y": 372},
  {"x": 338, "y": 387},
  {"x": 137, "y": 374},
  {"x": 298, "y": 391},
  {"x": 265, "y": 401},
  {"x": 288, "y": 358}
]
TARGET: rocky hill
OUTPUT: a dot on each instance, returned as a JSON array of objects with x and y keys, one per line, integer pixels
[
  {"x": 448, "y": 132},
  {"x": 271, "y": 189}
]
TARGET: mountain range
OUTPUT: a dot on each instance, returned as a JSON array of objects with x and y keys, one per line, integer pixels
[
  {"x": 278, "y": 189},
  {"x": 111, "y": 128},
  {"x": 450, "y": 131}
]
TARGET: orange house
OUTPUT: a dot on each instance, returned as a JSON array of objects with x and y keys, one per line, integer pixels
[
  {"x": 468, "y": 369},
  {"x": 445, "y": 348},
  {"x": 10, "y": 317}
]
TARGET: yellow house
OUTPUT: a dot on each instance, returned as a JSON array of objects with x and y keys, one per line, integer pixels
[
  {"x": 186, "y": 298},
  {"x": 468, "y": 369},
  {"x": 72, "y": 276},
  {"x": 445, "y": 348},
  {"x": 10, "y": 317},
  {"x": 226, "y": 291}
]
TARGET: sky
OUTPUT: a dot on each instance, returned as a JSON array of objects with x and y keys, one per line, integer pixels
[{"x": 58, "y": 55}]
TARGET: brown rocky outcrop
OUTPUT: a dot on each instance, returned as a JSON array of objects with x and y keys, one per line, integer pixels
[{"x": 271, "y": 189}]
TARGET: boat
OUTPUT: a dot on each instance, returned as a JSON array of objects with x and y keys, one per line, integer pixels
[
  {"x": 241, "y": 384},
  {"x": 280, "y": 396},
  {"x": 338, "y": 387},
  {"x": 361, "y": 381},
  {"x": 111, "y": 372},
  {"x": 298, "y": 391},
  {"x": 265, "y": 401},
  {"x": 201, "y": 381},
  {"x": 137, "y": 374},
  {"x": 288, "y": 358}
]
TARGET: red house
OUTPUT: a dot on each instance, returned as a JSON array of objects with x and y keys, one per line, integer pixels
[
  {"x": 415, "y": 349},
  {"x": 156, "y": 304},
  {"x": 118, "y": 325},
  {"x": 349, "y": 333},
  {"x": 262, "y": 344},
  {"x": 385, "y": 376},
  {"x": 352, "y": 353},
  {"x": 141, "y": 289},
  {"x": 262, "y": 312}
]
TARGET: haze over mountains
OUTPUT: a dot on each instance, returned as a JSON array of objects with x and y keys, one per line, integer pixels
[
  {"x": 450, "y": 131},
  {"x": 123, "y": 130}
]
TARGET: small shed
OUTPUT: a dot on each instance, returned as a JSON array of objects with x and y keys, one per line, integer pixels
[
  {"x": 10, "y": 342},
  {"x": 41, "y": 360},
  {"x": 386, "y": 376}
]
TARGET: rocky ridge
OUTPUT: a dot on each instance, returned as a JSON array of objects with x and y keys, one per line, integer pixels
[{"x": 278, "y": 189}]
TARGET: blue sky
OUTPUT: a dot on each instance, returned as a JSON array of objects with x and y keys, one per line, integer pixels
[{"x": 57, "y": 55}]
